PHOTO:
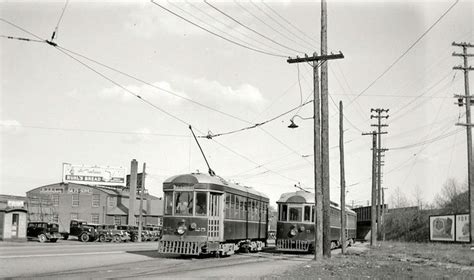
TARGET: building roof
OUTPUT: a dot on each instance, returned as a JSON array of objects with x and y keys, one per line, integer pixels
[
  {"x": 196, "y": 178},
  {"x": 304, "y": 197}
]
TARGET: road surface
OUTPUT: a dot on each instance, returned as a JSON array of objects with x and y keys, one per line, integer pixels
[{"x": 76, "y": 260}]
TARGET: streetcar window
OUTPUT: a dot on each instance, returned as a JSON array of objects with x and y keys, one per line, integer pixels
[
  {"x": 201, "y": 203},
  {"x": 227, "y": 205},
  {"x": 284, "y": 210},
  {"x": 252, "y": 210},
  {"x": 243, "y": 215},
  {"x": 258, "y": 210},
  {"x": 233, "y": 206},
  {"x": 184, "y": 203},
  {"x": 237, "y": 207},
  {"x": 307, "y": 213},
  {"x": 312, "y": 212},
  {"x": 295, "y": 214},
  {"x": 168, "y": 203}
]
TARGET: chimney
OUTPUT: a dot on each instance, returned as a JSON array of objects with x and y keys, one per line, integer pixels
[{"x": 133, "y": 192}]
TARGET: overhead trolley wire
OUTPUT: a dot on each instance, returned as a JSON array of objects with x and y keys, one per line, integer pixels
[
  {"x": 55, "y": 32},
  {"x": 251, "y": 29},
  {"x": 268, "y": 25},
  {"x": 22, "y": 39},
  {"x": 404, "y": 53},
  {"x": 217, "y": 35}
]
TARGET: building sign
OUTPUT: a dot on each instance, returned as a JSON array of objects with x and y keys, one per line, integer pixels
[
  {"x": 442, "y": 228},
  {"x": 462, "y": 228},
  {"x": 15, "y": 204},
  {"x": 94, "y": 175},
  {"x": 76, "y": 190},
  {"x": 51, "y": 190}
]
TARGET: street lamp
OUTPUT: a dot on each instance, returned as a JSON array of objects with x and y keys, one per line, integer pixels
[{"x": 293, "y": 125}]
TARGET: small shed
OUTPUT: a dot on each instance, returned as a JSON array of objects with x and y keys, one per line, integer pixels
[{"x": 13, "y": 218}]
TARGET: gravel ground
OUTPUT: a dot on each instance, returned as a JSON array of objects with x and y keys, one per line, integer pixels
[{"x": 390, "y": 260}]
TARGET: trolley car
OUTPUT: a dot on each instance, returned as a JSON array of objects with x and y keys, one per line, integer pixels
[
  {"x": 295, "y": 225},
  {"x": 205, "y": 214}
]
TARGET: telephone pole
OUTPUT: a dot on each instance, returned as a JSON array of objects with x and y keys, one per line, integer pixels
[
  {"x": 379, "y": 116},
  {"x": 140, "y": 209},
  {"x": 325, "y": 134},
  {"x": 343, "y": 180},
  {"x": 315, "y": 59},
  {"x": 468, "y": 102},
  {"x": 373, "y": 216}
]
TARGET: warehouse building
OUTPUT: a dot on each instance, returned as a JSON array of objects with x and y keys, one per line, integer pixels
[{"x": 64, "y": 201}]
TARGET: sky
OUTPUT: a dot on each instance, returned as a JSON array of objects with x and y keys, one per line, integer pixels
[{"x": 57, "y": 107}]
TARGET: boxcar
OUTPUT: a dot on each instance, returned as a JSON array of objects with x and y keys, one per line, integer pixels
[
  {"x": 207, "y": 215},
  {"x": 295, "y": 224}
]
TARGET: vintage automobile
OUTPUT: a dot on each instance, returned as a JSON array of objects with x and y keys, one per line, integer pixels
[
  {"x": 112, "y": 233},
  {"x": 43, "y": 231},
  {"x": 83, "y": 231}
]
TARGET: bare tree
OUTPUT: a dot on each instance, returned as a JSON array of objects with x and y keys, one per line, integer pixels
[
  {"x": 398, "y": 199},
  {"x": 453, "y": 197},
  {"x": 419, "y": 197}
]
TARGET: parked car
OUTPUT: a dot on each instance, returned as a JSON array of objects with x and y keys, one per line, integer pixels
[
  {"x": 43, "y": 231},
  {"x": 85, "y": 232},
  {"x": 112, "y": 233}
]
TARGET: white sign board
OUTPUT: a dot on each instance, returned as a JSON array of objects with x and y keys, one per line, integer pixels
[
  {"x": 442, "y": 228},
  {"x": 15, "y": 204},
  {"x": 462, "y": 228},
  {"x": 94, "y": 175}
]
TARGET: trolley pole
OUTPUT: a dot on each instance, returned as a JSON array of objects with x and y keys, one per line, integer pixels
[
  {"x": 468, "y": 102},
  {"x": 318, "y": 194},
  {"x": 343, "y": 180}
]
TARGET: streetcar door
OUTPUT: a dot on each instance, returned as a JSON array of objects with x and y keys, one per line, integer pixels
[{"x": 215, "y": 223}]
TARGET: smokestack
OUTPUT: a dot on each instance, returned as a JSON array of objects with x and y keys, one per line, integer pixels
[{"x": 133, "y": 192}]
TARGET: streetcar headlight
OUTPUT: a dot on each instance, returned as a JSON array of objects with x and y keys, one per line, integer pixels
[
  {"x": 181, "y": 230},
  {"x": 301, "y": 229},
  {"x": 293, "y": 232},
  {"x": 193, "y": 226}
]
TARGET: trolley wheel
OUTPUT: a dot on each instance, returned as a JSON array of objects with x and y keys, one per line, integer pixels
[
  {"x": 65, "y": 236},
  {"x": 42, "y": 238},
  {"x": 84, "y": 237}
]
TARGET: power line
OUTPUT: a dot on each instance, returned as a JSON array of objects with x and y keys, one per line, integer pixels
[
  {"x": 210, "y": 135},
  {"x": 215, "y": 34},
  {"x": 251, "y": 29},
  {"x": 22, "y": 39},
  {"x": 428, "y": 141},
  {"x": 59, "y": 21},
  {"x": 404, "y": 53}
]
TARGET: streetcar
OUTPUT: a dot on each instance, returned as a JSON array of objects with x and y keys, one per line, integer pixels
[
  {"x": 295, "y": 224},
  {"x": 205, "y": 214}
]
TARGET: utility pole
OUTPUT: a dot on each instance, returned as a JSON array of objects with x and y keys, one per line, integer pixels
[
  {"x": 379, "y": 126},
  {"x": 133, "y": 192},
  {"x": 468, "y": 102},
  {"x": 318, "y": 245},
  {"x": 140, "y": 215},
  {"x": 343, "y": 180},
  {"x": 383, "y": 214},
  {"x": 325, "y": 134},
  {"x": 373, "y": 217}
]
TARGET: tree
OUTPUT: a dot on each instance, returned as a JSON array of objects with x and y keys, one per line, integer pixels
[
  {"x": 398, "y": 199},
  {"x": 453, "y": 198}
]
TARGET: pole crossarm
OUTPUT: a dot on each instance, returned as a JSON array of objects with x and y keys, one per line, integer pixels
[
  {"x": 470, "y": 68},
  {"x": 315, "y": 58},
  {"x": 463, "y": 44},
  {"x": 381, "y": 125},
  {"x": 461, "y": 54},
  {"x": 465, "y": 124}
]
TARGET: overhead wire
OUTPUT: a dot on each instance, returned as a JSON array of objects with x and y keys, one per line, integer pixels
[
  {"x": 404, "y": 53},
  {"x": 55, "y": 32},
  {"x": 251, "y": 29},
  {"x": 217, "y": 35}
]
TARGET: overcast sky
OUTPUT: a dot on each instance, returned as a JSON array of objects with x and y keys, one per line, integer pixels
[{"x": 55, "y": 110}]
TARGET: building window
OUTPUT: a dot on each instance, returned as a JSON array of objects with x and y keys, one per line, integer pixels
[
  {"x": 55, "y": 218},
  {"x": 74, "y": 216},
  {"x": 95, "y": 218},
  {"x": 112, "y": 201},
  {"x": 117, "y": 220},
  {"x": 95, "y": 200},
  {"x": 55, "y": 199},
  {"x": 75, "y": 200}
]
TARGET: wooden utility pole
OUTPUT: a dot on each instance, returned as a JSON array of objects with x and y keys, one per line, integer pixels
[
  {"x": 383, "y": 214},
  {"x": 140, "y": 215},
  {"x": 325, "y": 134},
  {"x": 468, "y": 102},
  {"x": 373, "y": 218},
  {"x": 379, "y": 126},
  {"x": 133, "y": 192},
  {"x": 315, "y": 59},
  {"x": 343, "y": 180}
]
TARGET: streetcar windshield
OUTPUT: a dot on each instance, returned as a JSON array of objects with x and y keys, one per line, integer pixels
[
  {"x": 295, "y": 214},
  {"x": 168, "y": 203},
  {"x": 183, "y": 202},
  {"x": 201, "y": 203}
]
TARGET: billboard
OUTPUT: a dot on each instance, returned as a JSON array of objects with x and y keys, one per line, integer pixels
[
  {"x": 462, "y": 228},
  {"x": 94, "y": 175},
  {"x": 442, "y": 228}
]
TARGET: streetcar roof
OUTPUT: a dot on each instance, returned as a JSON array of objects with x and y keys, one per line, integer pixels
[
  {"x": 201, "y": 178},
  {"x": 304, "y": 197}
]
